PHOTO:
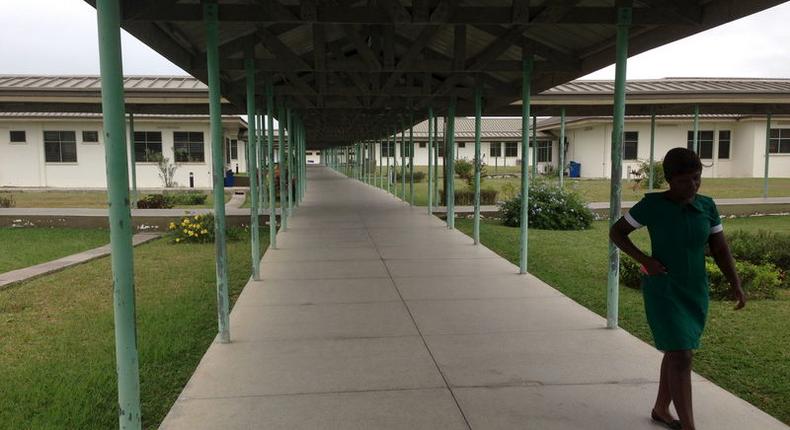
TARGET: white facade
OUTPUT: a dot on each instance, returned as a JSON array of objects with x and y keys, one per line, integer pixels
[{"x": 23, "y": 164}]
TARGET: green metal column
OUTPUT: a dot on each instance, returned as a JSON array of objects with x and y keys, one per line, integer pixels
[
  {"x": 526, "y": 79},
  {"x": 695, "y": 138},
  {"x": 389, "y": 151},
  {"x": 380, "y": 171},
  {"x": 262, "y": 160},
  {"x": 133, "y": 164},
  {"x": 449, "y": 157},
  {"x": 478, "y": 114},
  {"x": 534, "y": 146},
  {"x": 561, "y": 148},
  {"x": 122, "y": 257},
  {"x": 290, "y": 162},
  {"x": 411, "y": 162},
  {"x": 270, "y": 156},
  {"x": 252, "y": 166},
  {"x": 613, "y": 285},
  {"x": 652, "y": 149},
  {"x": 430, "y": 156},
  {"x": 283, "y": 165},
  {"x": 436, "y": 161},
  {"x": 210, "y": 14},
  {"x": 767, "y": 153},
  {"x": 403, "y": 163}
]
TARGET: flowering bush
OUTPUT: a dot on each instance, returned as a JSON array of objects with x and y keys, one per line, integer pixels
[
  {"x": 193, "y": 229},
  {"x": 550, "y": 208}
]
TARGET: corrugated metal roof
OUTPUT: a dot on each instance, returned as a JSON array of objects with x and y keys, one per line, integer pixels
[
  {"x": 94, "y": 115},
  {"x": 676, "y": 86},
  {"x": 87, "y": 82}
]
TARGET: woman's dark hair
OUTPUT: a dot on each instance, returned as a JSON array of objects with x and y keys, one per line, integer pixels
[{"x": 679, "y": 161}]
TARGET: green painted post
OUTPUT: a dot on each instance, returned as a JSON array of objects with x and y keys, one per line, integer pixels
[
  {"x": 436, "y": 160},
  {"x": 262, "y": 160},
  {"x": 449, "y": 157},
  {"x": 562, "y": 147},
  {"x": 389, "y": 150},
  {"x": 613, "y": 285},
  {"x": 133, "y": 164},
  {"x": 108, "y": 14},
  {"x": 534, "y": 146},
  {"x": 695, "y": 138},
  {"x": 283, "y": 165},
  {"x": 652, "y": 149},
  {"x": 380, "y": 171},
  {"x": 210, "y": 15},
  {"x": 430, "y": 156},
  {"x": 478, "y": 114},
  {"x": 252, "y": 167},
  {"x": 767, "y": 153},
  {"x": 526, "y": 79},
  {"x": 411, "y": 162},
  {"x": 403, "y": 163},
  {"x": 290, "y": 161},
  {"x": 270, "y": 156}
]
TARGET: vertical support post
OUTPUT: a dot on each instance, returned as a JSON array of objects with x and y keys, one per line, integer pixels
[
  {"x": 431, "y": 131},
  {"x": 108, "y": 14},
  {"x": 210, "y": 14},
  {"x": 403, "y": 163},
  {"x": 526, "y": 92},
  {"x": 252, "y": 165},
  {"x": 534, "y": 146},
  {"x": 449, "y": 157},
  {"x": 613, "y": 285},
  {"x": 652, "y": 149},
  {"x": 290, "y": 161},
  {"x": 478, "y": 114},
  {"x": 436, "y": 160},
  {"x": 261, "y": 142},
  {"x": 695, "y": 138},
  {"x": 561, "y": 147},
  {"x": 411, "y": 162},
  {"x": 282, "y": 164},
  {"x": 270, "y": 156},
  {"x": 133, "y": 164},
  {"x": 389, "y": 151},
  {"x": 379, "y": 172},
  {"x": 767, "y": 153}
]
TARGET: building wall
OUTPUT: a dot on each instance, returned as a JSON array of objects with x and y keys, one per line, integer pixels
[
  {"x": 23, "y": 165},
  {"x": 778, "y": 164},
  {"x": 465, "y": 150}
]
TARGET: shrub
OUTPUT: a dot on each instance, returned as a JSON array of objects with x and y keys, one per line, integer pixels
[
  {"x": 187, "y": 199},
  {"x": 418, "y": 176},
  {"x": 642, "y": 178},
  {"x": 465, "y": 170},
  {"x": 155, "y": 201},
  {"x": 761, "y": 247},
  {"x": 467, "y": 197},
  {"x": 758, "y": 281},
  {"x": 199, "y": 229},
  {"x": 629, "y": 272},
  {"x": 550, "y": 208},
  {"x": 7, "y": 201}
]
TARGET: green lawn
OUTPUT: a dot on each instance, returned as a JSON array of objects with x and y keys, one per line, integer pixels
[
  {"x": 57, "y": 354},
  {"x": 77, "y": 199},
  {"x": 30, "y": 246},
  {"x": 597, "y": 190},
  {"x": 746, "y": 352}
]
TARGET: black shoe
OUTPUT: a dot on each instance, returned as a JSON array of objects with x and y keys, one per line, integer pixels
[{"x": 674, "y": 424}]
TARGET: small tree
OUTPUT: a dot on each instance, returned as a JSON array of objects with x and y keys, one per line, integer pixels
[{"x": 167, "y": 171}]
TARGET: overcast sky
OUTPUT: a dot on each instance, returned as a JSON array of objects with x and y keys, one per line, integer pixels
[{"x": 59, "y": 37}]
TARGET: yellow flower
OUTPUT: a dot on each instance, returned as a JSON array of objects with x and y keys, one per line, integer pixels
[
  {"x": 178, "y": 240},
  {"x": 204, "y": 231},
  {"x": 172, "y": 226},
  {"x": 185, "y": 231}
]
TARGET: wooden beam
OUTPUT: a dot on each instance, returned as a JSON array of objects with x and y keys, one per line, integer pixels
[{"x": 362, "y": 48}]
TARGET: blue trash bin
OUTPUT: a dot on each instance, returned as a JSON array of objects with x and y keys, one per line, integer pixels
[
  {"x": 575, "y": 169},
  {"x": 230, "y": 180}
]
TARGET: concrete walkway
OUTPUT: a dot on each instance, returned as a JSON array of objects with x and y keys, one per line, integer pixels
[
  {"x": 372, "y": 315},
  {"x": 9, "y": 278}
]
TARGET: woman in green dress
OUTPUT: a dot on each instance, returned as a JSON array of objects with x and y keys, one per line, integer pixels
[{"x": 674, "y": 282}]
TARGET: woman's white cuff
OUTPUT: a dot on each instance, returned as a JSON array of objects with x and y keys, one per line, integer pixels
[
  {"x": 717, "y": 229},
  {"x": 634, "y": 223}
]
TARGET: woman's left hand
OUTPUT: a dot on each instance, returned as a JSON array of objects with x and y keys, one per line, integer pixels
[{"x": 740, "y": 297}]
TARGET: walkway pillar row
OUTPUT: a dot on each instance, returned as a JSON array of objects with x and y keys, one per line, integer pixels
[
  {"x": 282, "y": 164},
  {"x": 767, "y": 153},
  {"x": 252, "y": 165},
  {"x": 526, "y": 93},
  {"x": 478, "y": 114},
  {"x": 289, "y": 157},
  {"x": 380, "y": 176},
  {"x": 261, "y": 144},
  {"x": 210, "y": 14},
  {"x": 613, "y": 286},
  {"x": 270, "y": 156},
  {"x": 389, "y": 154},
  {"x": 449, "y": 157},
  {"x": 108, "y": 14},
  {"x": 431, "y": 132},
  {"x": 403, "y": 162},
  {"x": 133, "y": 164},
  {"x": 436, "y": 160}
]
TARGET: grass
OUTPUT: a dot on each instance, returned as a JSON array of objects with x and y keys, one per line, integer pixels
[
  {"x": 57, "y": 356},
  {"x": 597, "y": 190},
  {"x": 37, "y": 245},
  {"x": 78, "y": 199},
  {"x": 747, "y": 352}
]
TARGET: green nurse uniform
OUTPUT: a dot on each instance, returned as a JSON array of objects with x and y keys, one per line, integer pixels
[{"x": 676, "y": 303}]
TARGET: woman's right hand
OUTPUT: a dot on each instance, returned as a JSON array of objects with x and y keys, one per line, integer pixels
[{"x": 654, "y": 267}]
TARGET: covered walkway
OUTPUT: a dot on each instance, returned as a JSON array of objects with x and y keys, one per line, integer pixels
[{"x": 373, "y": 315}]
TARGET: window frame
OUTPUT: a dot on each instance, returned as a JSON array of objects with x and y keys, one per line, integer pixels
[
  {"x": 510, "y": 145},
  {"x": 13, "y": 141},
  {"x": 545, "y": 151},
  {"x": 189, "y": 146},
  {"x": 701, "y": 141},
  {"x": 497, "y": 146},
  {"x": 729, "y": 144},
  {"x": 146, "y": 143},
  {"x": 90, "y": 142},
  {"x": 60, "y": 142},
  {"x": 782, "y": 141},
  {"x": 627, "y": 142}
]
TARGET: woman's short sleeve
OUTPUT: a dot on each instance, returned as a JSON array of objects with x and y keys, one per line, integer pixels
[
  {"x": 639, "y": 215},
  {"x": 715, "y": 219}
]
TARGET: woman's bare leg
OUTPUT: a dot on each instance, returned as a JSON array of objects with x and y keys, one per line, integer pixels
[
  {"x": 679, "y": 370},
  {"x": 664, "y": 397}
]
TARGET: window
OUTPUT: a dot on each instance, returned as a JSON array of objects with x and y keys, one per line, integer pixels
[
  {"x": 188, "y": 146},
  {"x": 231, "y": 149},
  {"x": 423, "y": 144},
  {"x": 462, "y": 144},
  {"x": 18, "y": 136},
  {"x": 388, "y": 149},
  {"x": 147, "y": 146},
  {"x": 630, "y": 145},
  {"x": 544, "y": 151},
  {"x": 511, "y": 149},
  {"x": 405, "y": 149},
  {"x": 317, "y": 152},
  {"x": 440, "y": 149},
  {"x": 90, "y": 137},
  {"x": 60, "y": 146},
  {"x": 495, "y": 149},
  {"x": 780, "y": 141},
  {"x": 705, "y": 141},
  {"x": 724, "y": 144}
]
